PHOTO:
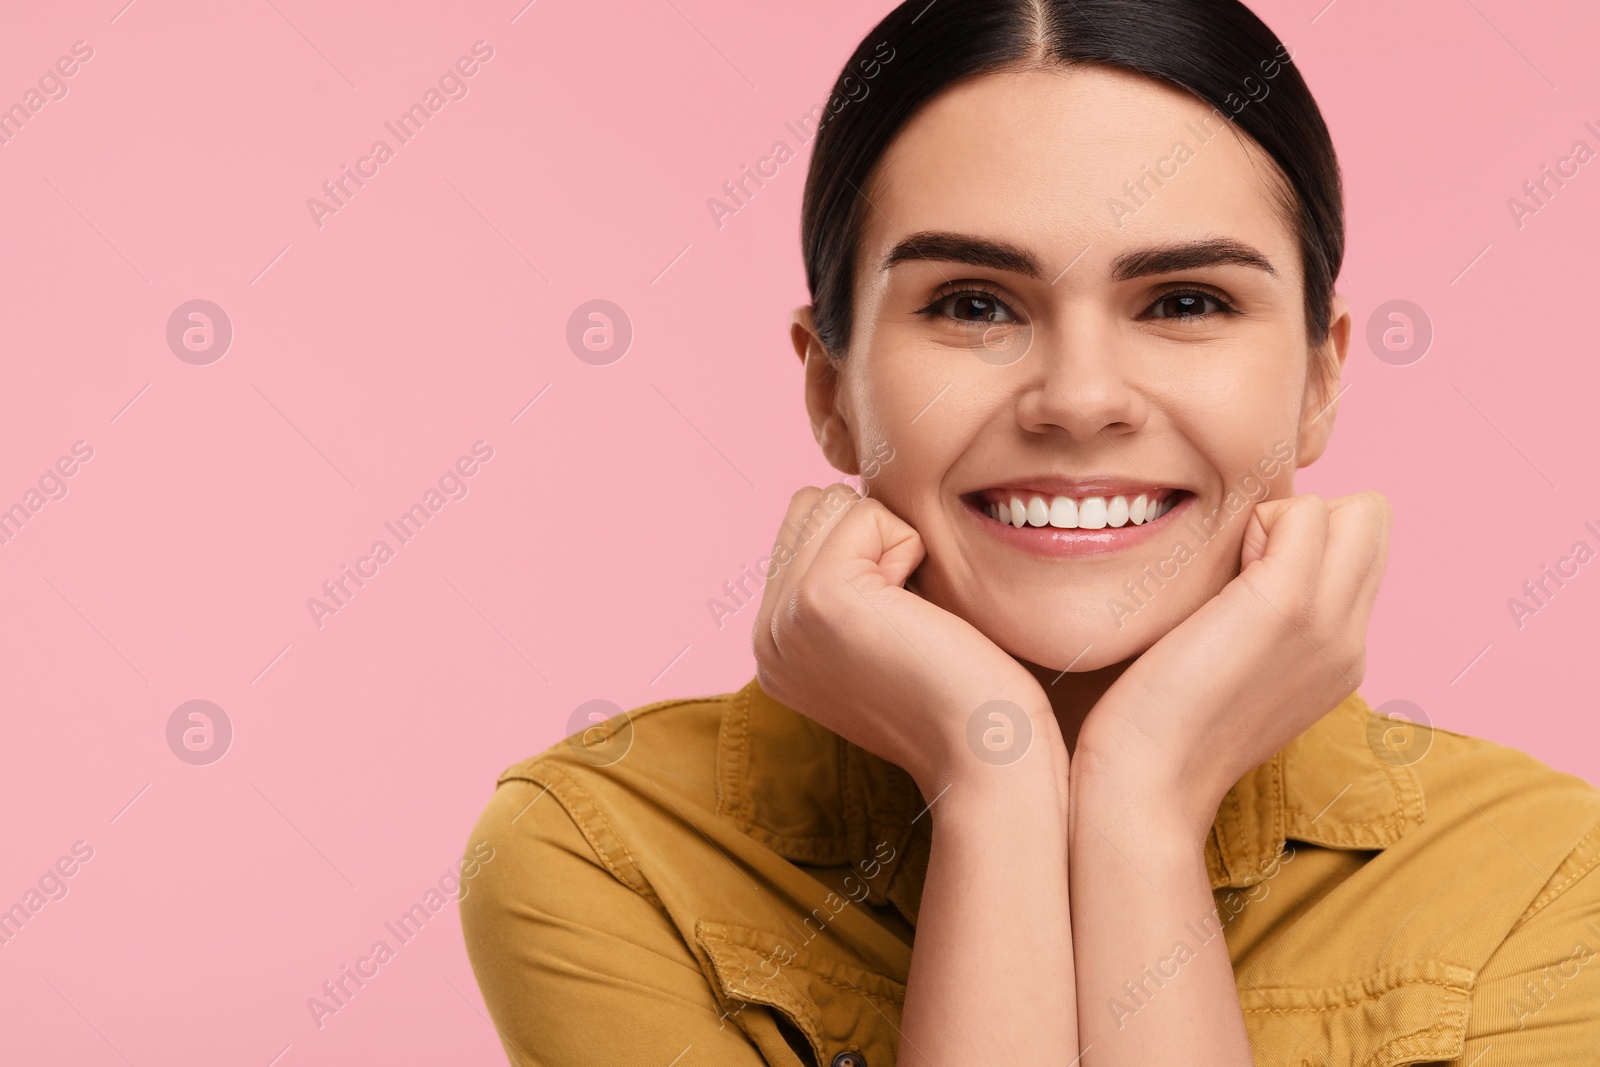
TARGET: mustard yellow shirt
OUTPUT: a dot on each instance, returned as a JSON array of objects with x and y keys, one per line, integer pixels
[{"x": 721, "y": 882}]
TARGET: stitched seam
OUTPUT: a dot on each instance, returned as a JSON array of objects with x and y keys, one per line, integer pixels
[
  {"x": 1280, "y": 823},
  {"x": 515, "y": 770},
  {"x": 1403, "y": 784},
  {"x": 1230, "y": 836},
  {"x": 854, "y": 989},
  {"x": 1454, "y": 1019},
  {"x": 733, "y": 738},
  {"x": 847, "y": 790},
  {"x": 815, "y": 964},
  {"x": 780, "y": 997},
  {"x": 1373, "y": 833},
  {"x": 1553, "y": 890},
  {"x": 601, "y": 840},
  {"x": 785, "y": 997},
  {"x": 1346, "y": 1000},
  {"x": 1216, "y": 869}
]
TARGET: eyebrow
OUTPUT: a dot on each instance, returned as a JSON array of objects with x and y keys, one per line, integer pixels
[{"x": 941, "y": 246}]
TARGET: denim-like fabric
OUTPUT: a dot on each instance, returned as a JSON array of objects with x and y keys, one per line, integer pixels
[{"x": 722, "y": 880}]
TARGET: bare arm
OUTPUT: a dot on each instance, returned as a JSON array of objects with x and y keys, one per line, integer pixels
[
  {"x": 991, "y": 978},
  {"x": 841, "y": 640},
  {"x": 1221, "y": 693},
  {"x": 1156, "y": 982}
]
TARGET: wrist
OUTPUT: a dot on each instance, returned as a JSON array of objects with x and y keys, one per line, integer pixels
[
  {"x": 984, "y": 778},
  {"x": 1140, "y": 803},
  {"x": 997, "y": 799}
]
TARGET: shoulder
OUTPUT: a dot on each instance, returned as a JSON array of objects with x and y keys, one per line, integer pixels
[
  {"x": 579, "y": 913},
  {"x": 1529, "y": 835},
  {"x": 1474, "y": 786},
  {"x": 1509, "y": 846},
  {"x": 652, "y": 738},
  {"x": 600, "y": 788}
]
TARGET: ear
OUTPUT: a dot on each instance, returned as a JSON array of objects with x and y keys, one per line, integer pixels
[
  {"x": 1320, "y": 405},
  {"x": 830, "y": 425}
]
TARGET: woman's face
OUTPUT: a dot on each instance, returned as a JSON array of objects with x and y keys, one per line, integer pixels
[{"x": 1076, "y": 296}]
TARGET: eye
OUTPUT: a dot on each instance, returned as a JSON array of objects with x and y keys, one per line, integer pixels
[
  {"x": 1185, "y": 304},
  {"x": 971, "y": 304}
]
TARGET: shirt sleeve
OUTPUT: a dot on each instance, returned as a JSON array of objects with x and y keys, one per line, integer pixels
[
  {"x": 1537, "y": 1001},
  {"x": 576, "y": 968}
]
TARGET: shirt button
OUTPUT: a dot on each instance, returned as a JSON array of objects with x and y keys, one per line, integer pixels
[{"x": 849, "y": 1059}]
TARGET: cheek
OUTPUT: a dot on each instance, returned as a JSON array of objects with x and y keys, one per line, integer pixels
[{"x": 911, "y": 424}]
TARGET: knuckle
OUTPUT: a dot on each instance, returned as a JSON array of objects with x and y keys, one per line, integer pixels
[{"x": 811, "y": 600}]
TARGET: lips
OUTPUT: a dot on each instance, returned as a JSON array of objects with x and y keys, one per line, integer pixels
[
  {"x": 1020, "y": 507},
  {"x": 1056, "y": 518}
]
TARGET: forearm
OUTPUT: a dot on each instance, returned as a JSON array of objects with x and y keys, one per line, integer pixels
[
  {"x": 1155, "y": 984},
  {"x": 991, "y": 975}
]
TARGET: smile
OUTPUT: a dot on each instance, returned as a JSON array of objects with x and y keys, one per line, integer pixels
[
  {"x": 1021, "y": 508},
  {"x": 1091, "y": 521}
]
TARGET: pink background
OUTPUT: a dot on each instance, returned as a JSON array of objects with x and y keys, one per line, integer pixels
[{"x": 370, "y": 353}]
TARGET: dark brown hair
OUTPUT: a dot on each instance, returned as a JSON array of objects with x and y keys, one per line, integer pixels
[{"x": 1217, "y": 50}]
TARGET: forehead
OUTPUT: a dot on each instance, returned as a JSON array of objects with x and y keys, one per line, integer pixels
[{"x": 1066, "y": 159}]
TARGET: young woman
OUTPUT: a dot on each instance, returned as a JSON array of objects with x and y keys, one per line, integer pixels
[{"x": 1039, "y": 766}]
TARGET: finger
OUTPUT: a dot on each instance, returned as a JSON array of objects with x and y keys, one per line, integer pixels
[
  {"x": 1295, "y": 532},
  {"x": 871, "y": 541},
  {"x": 1354, "y": 527},
  {"x": 807, "y": 529},
  {"x": 804, "y": 527},
  {"x": 1262, "y": 518},
  {"x": 1357, "y": 553}
]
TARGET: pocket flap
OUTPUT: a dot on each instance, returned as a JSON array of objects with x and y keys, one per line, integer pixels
[
  {"x": 1412, "y": 1013},
  {"x": 839, "y": 1007}
]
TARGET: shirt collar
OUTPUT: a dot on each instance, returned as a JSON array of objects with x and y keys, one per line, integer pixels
[{"x": 815, "y": 798}]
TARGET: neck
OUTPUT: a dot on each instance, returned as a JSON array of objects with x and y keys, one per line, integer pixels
[{"x": 1073, "y": 694}]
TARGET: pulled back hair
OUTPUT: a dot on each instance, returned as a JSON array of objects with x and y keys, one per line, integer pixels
[{"x": 1216, "y": 50}]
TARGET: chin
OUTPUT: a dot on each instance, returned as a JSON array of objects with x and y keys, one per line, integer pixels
[
  {"x": 1082, "y": 631},
  {"x": 1080, "y": 648}
]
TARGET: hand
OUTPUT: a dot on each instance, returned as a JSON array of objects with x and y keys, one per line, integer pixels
[
  {"x": 839, "y": 639},
  {"x": 1258, "y": 664}
]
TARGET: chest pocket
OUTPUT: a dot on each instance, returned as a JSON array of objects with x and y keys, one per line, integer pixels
[
  {"x": 1406, "y": 1014},
  {"x": 838, "y": 1007}
]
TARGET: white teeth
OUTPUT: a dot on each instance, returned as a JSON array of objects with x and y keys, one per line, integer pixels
[{"x": 1064, "y": 513}]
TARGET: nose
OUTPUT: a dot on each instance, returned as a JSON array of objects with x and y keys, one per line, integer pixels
[{"x": 1076, "y": 379}]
